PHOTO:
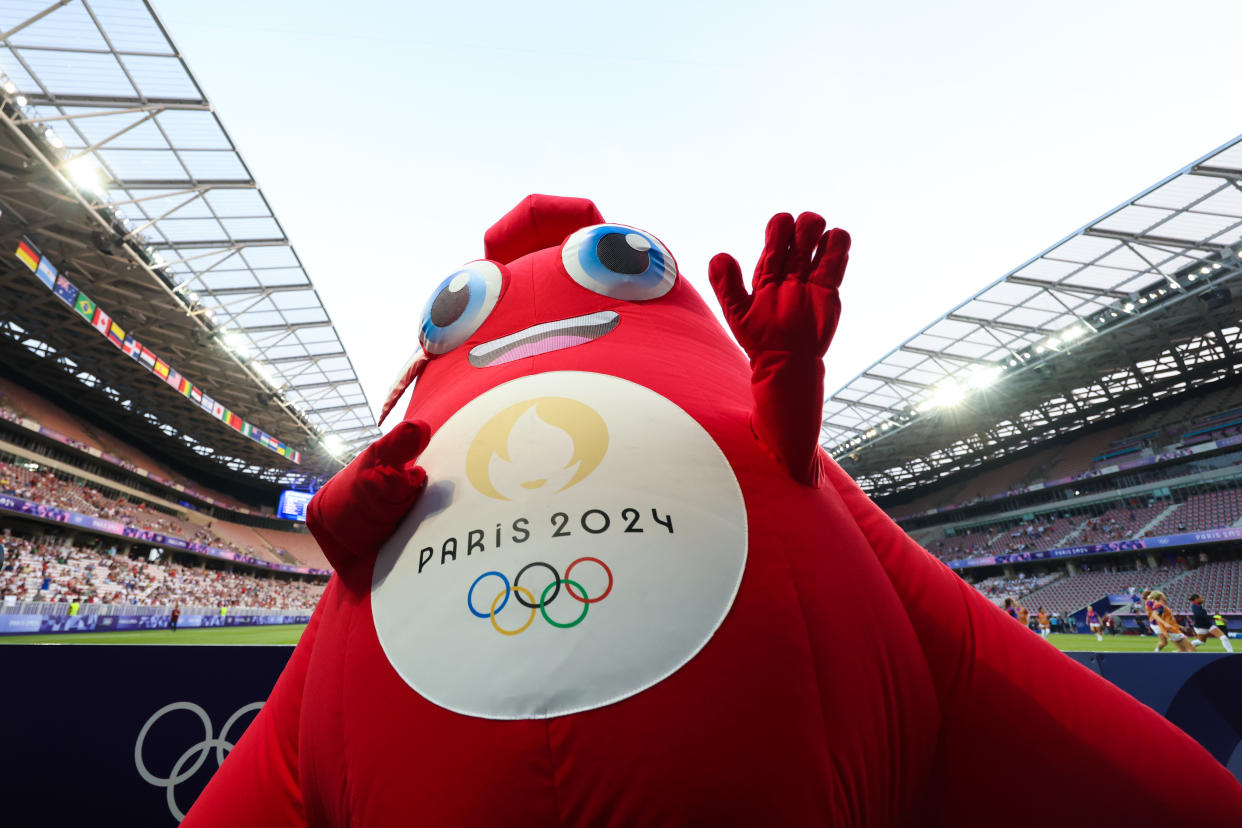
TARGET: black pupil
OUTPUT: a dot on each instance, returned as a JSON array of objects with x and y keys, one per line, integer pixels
[
  {"x": 449, "y": 305},
  {"x": 615, "y": 253}
]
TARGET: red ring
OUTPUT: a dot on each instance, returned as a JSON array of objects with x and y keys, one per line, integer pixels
[{"x": 570, "y": 589}]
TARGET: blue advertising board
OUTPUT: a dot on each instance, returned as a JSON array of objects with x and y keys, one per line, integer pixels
[{"x": 132, "y": 733}]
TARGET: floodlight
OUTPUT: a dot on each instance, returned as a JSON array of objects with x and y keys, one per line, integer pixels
[
  {"x": 20, "y": 100},
  {"x": 333, "y": 445},
  {"x": 10, "y": 87},
  {"x": 1129, "y": 306}
]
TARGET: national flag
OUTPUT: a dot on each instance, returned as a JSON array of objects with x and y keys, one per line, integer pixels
[
  {"x": 130, "y": 347},
  {"x": 85, "y": 307},
  {"x": 65, "y": 290},
  {"x": 297, "y": 456},
  {"x": 217, "y": 410},
  {"x": 46, "y": 272},
  {"x": 29, "y": 254},
  {"x": 185, "y": 386},
  {"x": 234, "y": 421},
  {"x": 197, "y": 395},
  {"x": 161, "y": 368},
  {"x": 246, "y": 428},
  {"x": 147, "y": 357},
  {"x": 117, "y": 334},
  {"x": 101, "y": 321},
  {"x": 173, "y": 379}
]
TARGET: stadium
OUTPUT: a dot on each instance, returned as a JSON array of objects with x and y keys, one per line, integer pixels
[{"x": 172, "y": 391}]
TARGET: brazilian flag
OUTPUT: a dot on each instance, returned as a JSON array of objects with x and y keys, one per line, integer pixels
[{"x": 85, "y": 307}]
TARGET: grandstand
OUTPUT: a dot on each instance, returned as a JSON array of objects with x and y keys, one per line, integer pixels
[
  {"x": 1073, "y": 432},
  {"x": 166, "y": 365}
]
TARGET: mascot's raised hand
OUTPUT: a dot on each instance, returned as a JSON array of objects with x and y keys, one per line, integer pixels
[
  {"x": 785, "y": 324},
  {"x": 360, "y": 507}
]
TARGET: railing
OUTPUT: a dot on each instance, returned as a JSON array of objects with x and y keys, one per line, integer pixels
[{"x": 59, "y": 609}]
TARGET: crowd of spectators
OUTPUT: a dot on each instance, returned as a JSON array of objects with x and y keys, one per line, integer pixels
[
  {"x": 36, "y": 483},
  {"x": 36, "y": 570}
]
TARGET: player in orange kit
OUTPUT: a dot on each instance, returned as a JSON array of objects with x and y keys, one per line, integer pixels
[
  {"x": 1024, "y": 617},
  {"x": 1164, "y": 617},
  {"x": 1045, "y": 625},
  {"x": 1162, "y": 637}
]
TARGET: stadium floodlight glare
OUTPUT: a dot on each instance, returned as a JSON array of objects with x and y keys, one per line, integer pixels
[
  {"x": 21, "y": 100},
  {"x": 236, "y": 342},
  {"x": 1071, "y": 333},
  {"x": 333, "y": 445},
  {"x": 983, "y": 377},
  {"x": 1129, "y": 306},
  {"x": 10, "y": 87},
  {"x": 87, "y": 174}
]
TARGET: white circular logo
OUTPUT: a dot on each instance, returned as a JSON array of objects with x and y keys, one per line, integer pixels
[{"x": 580, "y": 539}]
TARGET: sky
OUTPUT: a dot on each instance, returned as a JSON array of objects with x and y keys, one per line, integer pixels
[{"x": 953, "y": 140}]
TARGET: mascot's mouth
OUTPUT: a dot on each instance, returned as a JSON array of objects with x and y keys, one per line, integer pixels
[{"x": 544, "y": 338}]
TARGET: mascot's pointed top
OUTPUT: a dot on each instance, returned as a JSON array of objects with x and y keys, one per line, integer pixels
[{"x": 538, "y": 221}]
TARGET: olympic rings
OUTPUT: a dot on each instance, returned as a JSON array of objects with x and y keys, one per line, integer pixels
[
  {"x": 194, "y": 756},
  {"x": 550, "y": 593},
  {"x": 505, "y": 595},
  {"x": 586, "y": 605},
  {"x": 470, "y": 596},
  {"x": 587, "y": 600},
  {"x": 555, "y": 576}
]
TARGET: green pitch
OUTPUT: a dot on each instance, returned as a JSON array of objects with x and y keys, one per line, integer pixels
[
  {"x": 289, "y": 634},
  {"x": 1123, "y": 644},
  {"x": 274, "y": 634}
]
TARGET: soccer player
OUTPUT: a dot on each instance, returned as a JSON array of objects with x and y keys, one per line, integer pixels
[
  {"x": 1164, "y": 617},
  {"x": 1024, "y": 617},
  {"x": 1012, "y": 608},
  {"x": 1093, "y": 623},
  {"x": 1045, "y": 625},
  {"x": 1162, "y": 639},
  {"x": 1204, "y": 626}
]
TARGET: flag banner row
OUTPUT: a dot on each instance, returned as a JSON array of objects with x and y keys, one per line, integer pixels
[{"x": 98, "y": 319}]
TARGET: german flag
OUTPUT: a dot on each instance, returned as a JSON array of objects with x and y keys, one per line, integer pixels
[{"x": 29, "y": 254}]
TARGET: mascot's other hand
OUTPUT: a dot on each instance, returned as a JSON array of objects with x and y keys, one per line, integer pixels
[
  {"x": 793, "y": 305},
  {"x": 359, "y": 508}
]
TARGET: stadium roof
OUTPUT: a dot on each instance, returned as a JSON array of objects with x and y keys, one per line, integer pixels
[
  {"x": 1137, "y": 305},
  {"x": 108, "y": 114}
]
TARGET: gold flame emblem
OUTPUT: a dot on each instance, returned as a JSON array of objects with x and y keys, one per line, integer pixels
[{"x": 547, "y": 441}]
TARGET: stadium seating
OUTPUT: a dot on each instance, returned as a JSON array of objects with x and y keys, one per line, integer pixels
[
  {"x": 301, "y": 547},
  {"x": 1073, "y": 593},
  {"x": 54, "y": 488},
  {"x": 1220, "y": 584},
  {"x": 45, "y": 572},
  {"x": 1202, "y": 511}
]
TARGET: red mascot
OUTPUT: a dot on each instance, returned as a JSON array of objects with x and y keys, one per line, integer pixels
[{"x": 622, "y": 586}]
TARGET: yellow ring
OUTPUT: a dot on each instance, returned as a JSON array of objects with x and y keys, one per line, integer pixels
[{"x": 529, "y": 597}]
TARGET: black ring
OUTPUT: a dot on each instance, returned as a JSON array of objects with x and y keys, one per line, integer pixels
[{"x": 556, "y": 576}]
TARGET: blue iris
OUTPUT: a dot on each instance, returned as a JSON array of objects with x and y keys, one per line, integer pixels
[
  {"x": 459, "y": 305},
  {"x": 620, "y": 262}
]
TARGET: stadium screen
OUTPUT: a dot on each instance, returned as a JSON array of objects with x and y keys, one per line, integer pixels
[{"x": 292, "y": 505}]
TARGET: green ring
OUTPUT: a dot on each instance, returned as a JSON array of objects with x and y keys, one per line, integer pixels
[{"x": 543, "y": 603}]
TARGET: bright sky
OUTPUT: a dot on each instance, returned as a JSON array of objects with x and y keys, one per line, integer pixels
[{"x": 953, "y": 140}]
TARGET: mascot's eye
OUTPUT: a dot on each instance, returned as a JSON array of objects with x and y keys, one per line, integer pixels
[
  {"x": 459, "y": 306},
  {"x": 620, "y": 262}
]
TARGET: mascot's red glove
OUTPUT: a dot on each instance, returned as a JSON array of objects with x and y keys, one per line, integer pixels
[
  {"x": 785, "y": 326},
  {"x": 358, "y": 509}
]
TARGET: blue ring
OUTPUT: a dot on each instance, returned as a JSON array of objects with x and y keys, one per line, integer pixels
[{"x": 470, "y": 594}]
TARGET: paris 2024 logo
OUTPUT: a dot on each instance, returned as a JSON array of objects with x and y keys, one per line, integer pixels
[{"x": 543, "y": 570}]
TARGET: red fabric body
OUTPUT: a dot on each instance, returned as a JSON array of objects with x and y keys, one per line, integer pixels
[{"x": 939, "y": 712}]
